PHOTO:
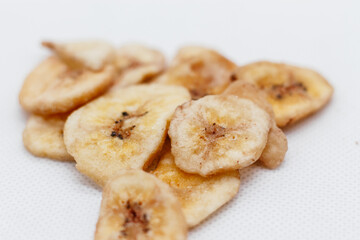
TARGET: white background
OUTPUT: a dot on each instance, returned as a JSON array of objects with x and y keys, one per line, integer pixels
[{"x": 315, "y": 194}]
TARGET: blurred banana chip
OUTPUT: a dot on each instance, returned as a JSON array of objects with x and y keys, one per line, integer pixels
[
  {"x": 93, "y": 55},
  {"x": 218, "y": 133},
  {"x": 53, "y": 87},
  {"x": 137, "y": 63},
  {"x": 199, "y": 196},
  {"x": 137, "y": 205},
  {"x": 276, "y": 146},
  {"x": 43, "y": 137},
  {"x": 202, "y": 71},
  {"x": 293, "y": 92},
  {"x": 122, "y": 129},
  {"x": 188, "y": 52}
]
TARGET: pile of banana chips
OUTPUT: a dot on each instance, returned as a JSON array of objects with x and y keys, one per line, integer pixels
[{"x": 166, "y": 141}]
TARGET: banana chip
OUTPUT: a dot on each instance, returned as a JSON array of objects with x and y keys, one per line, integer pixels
[
  {"x": 199, "y": 196},
  {"x": 202, "y": 71},
  {"x": 293, "y": 92},
  {"x": 218, "y": 133},
  {"x": 43, "y": 137},
  {"x": 189, "y": 52},
  {"x": 93, "y": 55},
  {"x": 122, "y": 129},
  {"x": 276, "y": 147},
  {"x": 53, "y": 87},
  {"x": 137, "y": 205},
  {"x": 137, "y": 64}
]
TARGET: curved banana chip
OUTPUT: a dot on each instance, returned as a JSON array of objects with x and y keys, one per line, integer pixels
[
  {"x": 202, "y": 71},
  {"x": 276, "y": 147},
  {"x": 136, "y": 64},
  {"x": 43, "y": 137},
  {"x": 293, "y": 92},
  {"x": 122, "y": 129},
  {"x": 199, "y": 196},
  {"x": 53, "y": 87},
  {"x": 137, "y": 205},
  {"x": 93, "y": 55},
  {"x": 188, "y": 52},
  {"x": 247, "y": 90},
  {"x": 218, "y": 133}
]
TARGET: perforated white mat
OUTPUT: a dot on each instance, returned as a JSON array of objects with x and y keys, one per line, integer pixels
[{"x": 315, "y": 194}]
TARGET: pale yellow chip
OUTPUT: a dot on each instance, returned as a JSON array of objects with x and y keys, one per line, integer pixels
[
  {"x": 122, "y": 129},
  {"x": 137, "y": 205},
  {"x": 218, "y": 133},
  {"x": 199, "y": 196},
  {"x": 52, "y": 87},
  {"x": 293, "y": 92},
  {"x": 43, "y": 137}
]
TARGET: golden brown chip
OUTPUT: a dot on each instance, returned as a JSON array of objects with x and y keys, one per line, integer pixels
[
  {"x": 276, "y": 146},
  {"x": 199, "y": 196},
  {"x": 202, "y": 71},
  {"x": 293, "y": 92}
]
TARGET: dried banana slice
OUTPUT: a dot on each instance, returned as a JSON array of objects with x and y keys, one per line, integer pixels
[
  {"x": 247, "y": 90},
  {"x": 199, "y": 196},
  {"x": 218, "y": 133},
  {"x": 293, "y": 92},
  {"x": 93, "y": 55},
  {"x": 43, "y": 137},
  {"x": 276, "y": 147},
  {"x": 136, "y": 64},
  {"x": 188, "y": 52},
  {"x": 202, "y": 71},
  {"x": 137, "y": 205},
  {"x": 52, "y": 87},
  {"x": 122, "y": 129}
]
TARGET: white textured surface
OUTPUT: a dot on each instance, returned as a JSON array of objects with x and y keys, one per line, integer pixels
[{"x": 315, "y": 194}]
